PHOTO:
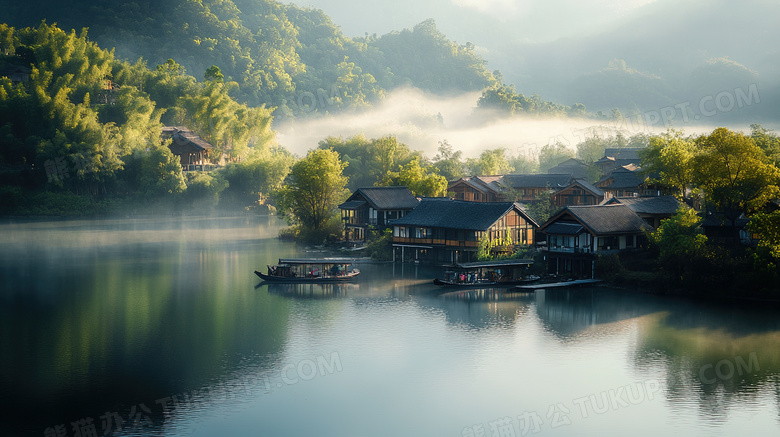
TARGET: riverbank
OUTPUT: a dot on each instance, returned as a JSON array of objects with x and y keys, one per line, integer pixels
[{"x": 736, "y": 282}]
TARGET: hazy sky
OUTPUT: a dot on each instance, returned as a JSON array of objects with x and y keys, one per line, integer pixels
[
  {"x": 473, "y": 20},
  {"x": 545, "y": 47}
]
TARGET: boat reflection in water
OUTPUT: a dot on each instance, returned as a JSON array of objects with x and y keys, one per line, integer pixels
[
  {"x": 309, "y": 290},
  {"x": 489, "y": 294}
]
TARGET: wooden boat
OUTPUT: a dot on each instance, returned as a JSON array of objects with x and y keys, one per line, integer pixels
[
  {"x": 310, "y": 270},
  {"x": 488, "y": 274}
]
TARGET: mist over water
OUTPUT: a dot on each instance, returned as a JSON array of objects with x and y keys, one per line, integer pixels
[{"x": 423, "y": 120}]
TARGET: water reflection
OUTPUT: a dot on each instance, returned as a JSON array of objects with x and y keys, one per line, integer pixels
[
  {"x": 715, "y": 358},
  {"x": 98, "y": 317},
  {"x": 309, "y": 291},
  {"x": 137, "y": 314}
]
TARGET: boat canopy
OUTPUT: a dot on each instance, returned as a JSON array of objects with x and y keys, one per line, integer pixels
[
  {"x": 320, "y": 261},
  {"x": 496, "y": 264}
]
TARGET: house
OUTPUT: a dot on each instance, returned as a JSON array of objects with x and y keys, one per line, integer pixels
[
  {"x": 477, "y": 189},
  {"x": 577, "y": 234},
  {"x": 615, "y": 158},
  {"x": 652, "y": 209},
  {"x": 447, "y": 231},
  {"x": 193, "y": 151},
  {"x": 374, "y": 208},
  {"x": 719, "y": 229},
  {"x": 574, "y": 167},
  {"x": 528, "y": 187},
  {"x": 17, "y": 73},
  {"x": 624, "y": 181},
  {"x": 578, "y": 192}
]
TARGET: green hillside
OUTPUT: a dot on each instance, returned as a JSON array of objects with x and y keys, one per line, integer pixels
[{"x": 283, "y": 56}]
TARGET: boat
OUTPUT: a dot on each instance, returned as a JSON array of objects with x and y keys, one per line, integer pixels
[
  {"x": 488, "y": 274},
  {"x": 311, "y": 270}
]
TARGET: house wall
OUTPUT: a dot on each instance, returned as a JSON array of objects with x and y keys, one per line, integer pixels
[
  {"x": 575, "y": 196},
  {"x": 471, "y": 194},
  {"x": 443, "y": 244}
]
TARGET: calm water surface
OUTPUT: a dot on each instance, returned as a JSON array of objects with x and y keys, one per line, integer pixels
[{"x": 159, "y": 327}]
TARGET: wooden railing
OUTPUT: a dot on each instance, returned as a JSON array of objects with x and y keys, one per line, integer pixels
[{"x": 435, "y": 242}]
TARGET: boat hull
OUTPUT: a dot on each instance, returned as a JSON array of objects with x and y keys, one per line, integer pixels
[
  {"x": 446, "y": 283},
  {"x": 303, "y": 280}
]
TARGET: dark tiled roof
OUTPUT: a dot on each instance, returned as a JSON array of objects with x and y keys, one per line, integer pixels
[
  {"x": 627, "y": 153},
  {"x": 564, "y": 229},
  {"x": 183, "y": 136},
  {"x": 603, "y": 219},
  {"x": 386, "y": 198},
  {"x": 485, "y": 184},
  {"x": 457, "y": 214},
  {"x": 666, "y": 205},
  {"x": 572, "y": 166},
  {"x": 586, "y": 185},
  {"x": 553, "y": 181},
  {"x": 622, "y": 178},
  {"x": 717, "y": 220},
  {"x": 352, "y": 204}
]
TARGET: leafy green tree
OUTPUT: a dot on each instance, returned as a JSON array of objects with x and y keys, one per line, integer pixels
[
  {"x": 314, "y": 188},
  {"x": 523, "y": 165},
  {"x": 254, "y": 181},
  {"x": 420, "y": 180},
  {"x": 767, "y": 227},
  {"x": 679, "y": 240},
  {"x": 449, "y": 162},
  {"x": 768, "y": 141},
  {"x": 204, "y": 189},
  {"x": 369, "y": 160},
  {"x": 734, "y": 173},
  {"x": 490, "y": 162},
  {"x": 160, "y": 173},
  {"x": 552, "y": 155},
  {"x": 669, "y": 158},
  {"x": 542, "y": 207},
  {"x": 214, "y": 73}
]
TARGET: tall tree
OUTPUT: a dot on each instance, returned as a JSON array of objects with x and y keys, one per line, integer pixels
[
  {"x": 669, "y": 159},
  {"x": 490, "y": 162},
  {"x": 420, "y": 180},
  {"x": 734, "y": 173},
  {"x": 315, "y": 186},
  {"x": 449, "y": 162}
]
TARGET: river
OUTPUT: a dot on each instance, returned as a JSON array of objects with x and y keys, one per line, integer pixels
[{"x": 159, "y": 327}]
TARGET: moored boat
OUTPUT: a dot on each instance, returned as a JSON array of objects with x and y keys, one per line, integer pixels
[
  {"x": 310, "y": 270},
  {"x": 488, "y": 274}
]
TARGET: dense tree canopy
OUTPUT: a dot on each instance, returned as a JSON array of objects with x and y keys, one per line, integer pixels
[
  {"x": 278, "y": 55},
  {"x": 734, "y": 173},
  {"x": 313, "y": 190}
]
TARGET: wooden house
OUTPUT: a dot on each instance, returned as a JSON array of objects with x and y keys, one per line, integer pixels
[
  {"x": 577, "y": 234},
  {"x": 719, "y": 230},
  {"x": 652, "y": 209},
  {"x": 17, "y": 73},
  {"x": 477, "y": 189},
  {"x": 374, "y": 208},
  {"x": 624, "y": 182},
  {"x": 578, "y": 192},
  {"x": 615, "y": 158},
  {"x": 574, "y": 167},
  {"x": 446, "y": 231},
  {"x": 528, "y": 187},
  {"x": 193, "y": 151}
]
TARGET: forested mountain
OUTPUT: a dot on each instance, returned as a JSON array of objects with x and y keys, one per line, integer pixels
[{"x": 284, "y": 56}]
